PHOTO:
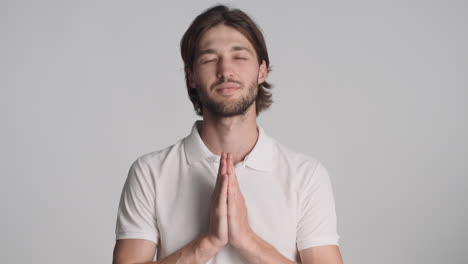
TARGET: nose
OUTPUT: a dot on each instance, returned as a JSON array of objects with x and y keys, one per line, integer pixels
[{"x": 224, "y": 69}]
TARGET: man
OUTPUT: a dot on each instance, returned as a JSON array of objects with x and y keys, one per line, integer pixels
[{"x": 227, "y": 193}]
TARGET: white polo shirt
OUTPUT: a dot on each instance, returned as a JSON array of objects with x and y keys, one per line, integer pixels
[{"x": 289, "y": 197}]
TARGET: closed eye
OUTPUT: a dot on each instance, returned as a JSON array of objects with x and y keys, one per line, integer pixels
[{"x": 207, "y": 61}]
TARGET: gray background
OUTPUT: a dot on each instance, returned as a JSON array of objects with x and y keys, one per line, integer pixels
[{"x": 376, "y": 90}]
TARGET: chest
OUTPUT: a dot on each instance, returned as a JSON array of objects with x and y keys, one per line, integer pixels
[{"x": 183, "y": 204}]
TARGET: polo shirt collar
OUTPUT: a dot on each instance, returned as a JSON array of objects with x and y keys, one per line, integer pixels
[{"x": 260, "y": 158}]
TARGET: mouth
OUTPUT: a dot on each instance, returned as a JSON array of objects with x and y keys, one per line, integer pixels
[
  {"x": 227, "y": 88},
  {"x": 226, "y": 91}
]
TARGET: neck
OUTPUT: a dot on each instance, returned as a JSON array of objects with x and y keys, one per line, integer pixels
[{"x": 237, "y": 134}]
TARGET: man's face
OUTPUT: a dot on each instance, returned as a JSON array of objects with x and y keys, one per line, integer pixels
[{"x": 226, "y": 72}]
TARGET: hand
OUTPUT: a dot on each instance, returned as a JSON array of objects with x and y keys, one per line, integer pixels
[
  {"x": 218, "y": 226},
  {"x": 240, "y": 233}
]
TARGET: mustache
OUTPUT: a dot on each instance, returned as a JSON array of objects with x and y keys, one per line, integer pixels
[{"x": 225, "y": 81}]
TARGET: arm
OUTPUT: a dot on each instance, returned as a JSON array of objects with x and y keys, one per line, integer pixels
[
  {"x": 133, "y": 251},
  {"x": 327, "y": 254},
  {"x": 259, "y": 251},
  {"x": 241, "y": 236},
  {"x": 252, "y": 247},
  {"x": 200, "y": 250}
]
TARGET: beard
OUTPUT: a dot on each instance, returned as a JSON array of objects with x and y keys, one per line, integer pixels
[{"x": 229, "y": 108}]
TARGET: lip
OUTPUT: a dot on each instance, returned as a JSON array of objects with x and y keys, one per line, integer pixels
[{"x": 227, "y": 88}]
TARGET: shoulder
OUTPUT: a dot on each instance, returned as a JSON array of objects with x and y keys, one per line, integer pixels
[
  {"x": 295, "y": 159},
  {"x": 304, "y": 168},
  {"x": 157, "y": 158}
]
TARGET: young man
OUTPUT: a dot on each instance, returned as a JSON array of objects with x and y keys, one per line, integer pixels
[{"x": 227, "y": 193}]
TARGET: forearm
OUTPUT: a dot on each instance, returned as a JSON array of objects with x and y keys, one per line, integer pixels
[
  {"x": 258, "y": 251},
  {"x": 199, "y": 251}
]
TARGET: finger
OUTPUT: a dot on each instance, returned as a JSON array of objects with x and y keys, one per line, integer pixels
[
  {"x": 221, "y": 169},
  {"x": 218, "y": 178},
  {"x": 232, "y": 189},
  {"x": 229, "y": 162},
  {"x": 222, "y": 202},
  {"x": 228, "y": 169},
  {"x": 222, "y": 163},
  {"x": 232, "y": 172}
]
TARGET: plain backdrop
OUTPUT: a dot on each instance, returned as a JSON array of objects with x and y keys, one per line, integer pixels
[{"x": 376, "y": 90}]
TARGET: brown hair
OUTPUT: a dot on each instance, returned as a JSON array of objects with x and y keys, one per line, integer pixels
[{"x": 238, "y": 20}]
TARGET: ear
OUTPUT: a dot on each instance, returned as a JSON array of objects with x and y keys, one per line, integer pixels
[
  {"x": 190, "y": 79},
  {"x": 262, "y": 72}
]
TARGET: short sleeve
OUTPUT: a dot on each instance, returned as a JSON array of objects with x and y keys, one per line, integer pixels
[
  {"x": 136, "y": 217},
  {"x": 317, "y": 217}
]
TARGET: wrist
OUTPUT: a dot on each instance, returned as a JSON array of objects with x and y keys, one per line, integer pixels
[
  {"x": 207, "y": 247},
  {"x": 248, "y": 243}
]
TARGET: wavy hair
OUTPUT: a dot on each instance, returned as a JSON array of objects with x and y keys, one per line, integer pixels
[{"x": 238, "y": 20}]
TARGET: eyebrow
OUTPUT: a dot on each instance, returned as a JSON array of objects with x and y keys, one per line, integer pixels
[
  {"x": 207, "y": 51},
  {"x": 235, "y": 48}
]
